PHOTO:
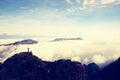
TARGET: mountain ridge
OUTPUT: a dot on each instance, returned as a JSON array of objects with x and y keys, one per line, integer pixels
[
  {"x": 26, "y": 66},
  {"x": 64, "y": 39},
  {"x": 22, "y": 42}
]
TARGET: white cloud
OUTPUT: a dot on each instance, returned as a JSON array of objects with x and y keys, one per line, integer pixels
[
  {"x": 89, "y": 6},
  {"x": 77, "y": 58},
  {"x": 88, "y": 3},
  {"x": 83, "y": 51},
  {"x": 78, "y": 1},
  {"x": 107, "y": 1},
  {"x": 86, "y": 60},
  {"x": 98, "y": 1},
  {"x": 72, "y": 9},
  {"x": 69, "y": 1},
  {"x": 99, "y": 59}
]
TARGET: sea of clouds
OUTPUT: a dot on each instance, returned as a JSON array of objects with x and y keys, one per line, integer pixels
[{"x": 84, "y": 51}]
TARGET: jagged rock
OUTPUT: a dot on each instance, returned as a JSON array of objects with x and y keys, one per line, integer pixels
[
  {"x": 92, "y": 70},
  {"x": 110, "y": 72},
  {"x": 0, "y": 70},
  {"x": 25, "y": 66},
  {"x": 67, "y": 70}
]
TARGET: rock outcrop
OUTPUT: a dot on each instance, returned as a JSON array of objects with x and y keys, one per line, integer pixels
[
  {"x": 26, "y": 66},
  {"x": 110, "y": 72}
]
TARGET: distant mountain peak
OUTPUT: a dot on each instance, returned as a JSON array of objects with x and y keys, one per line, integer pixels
[
  {"x": 22, "y": 42},
  {"x": 65, "y": 39}
]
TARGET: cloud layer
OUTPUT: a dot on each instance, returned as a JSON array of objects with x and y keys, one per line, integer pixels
[
  {"x": 86, "y": 2},
  {"x": 91, "y": 19},
  {"x": 82, "y": 51}
]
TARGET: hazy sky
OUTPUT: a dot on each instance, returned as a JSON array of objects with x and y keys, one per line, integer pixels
[
  {"x": 85, "y": 18},
  {"x": 88, "y": 19}
]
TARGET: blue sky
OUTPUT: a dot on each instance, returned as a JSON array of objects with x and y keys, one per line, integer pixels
[{"x": 60, "y": 17}]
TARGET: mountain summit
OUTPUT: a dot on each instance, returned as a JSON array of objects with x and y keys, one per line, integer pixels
[{"x": 26, "y": 66}]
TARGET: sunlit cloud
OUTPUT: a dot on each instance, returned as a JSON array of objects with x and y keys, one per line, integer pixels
[
  {"x": 84, "y": 51},
  {"x": 107, "y": 1},
  {"x": 93, "y": 20},
  {"x": 99, "y": 59}
]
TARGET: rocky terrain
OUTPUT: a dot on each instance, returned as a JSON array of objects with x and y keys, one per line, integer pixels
[
  {"x": 111, "y": 71},
  {"x": 26, "y": 66}
]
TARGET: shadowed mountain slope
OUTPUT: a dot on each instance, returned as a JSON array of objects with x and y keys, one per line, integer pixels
[
  {"x": 110, "y": 72},
  {"x": 26, "y": 66}
]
